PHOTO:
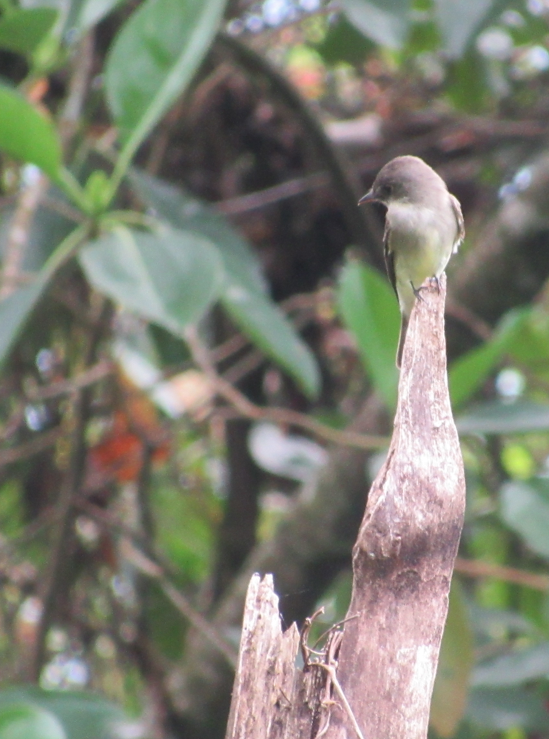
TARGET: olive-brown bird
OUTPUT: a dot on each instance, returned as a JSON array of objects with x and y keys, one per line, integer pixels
[{"x": 423, "y": 228}]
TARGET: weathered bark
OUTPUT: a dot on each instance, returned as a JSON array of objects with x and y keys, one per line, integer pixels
[
  {"x": 404, "y": 555},
  {"x": 265, "y": 672},
  {"x": 272, "y": 698},
  {"x": 403, "y": 559}
]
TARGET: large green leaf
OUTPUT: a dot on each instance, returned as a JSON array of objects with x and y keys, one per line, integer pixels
[
  {"x": 23, "y": 29},
  {"x": 386, "y": 22},
  {"x": 469, "y": 371},
  {"x": 78, "y": 714},
  {"x": 530, "y": 342},
  {"x": 343, "y": 42},
  {"x": 454, "y": 667},
  {"x": 458, "y": 28},
  {"x": 525, "y": 509},
  {"x": 25, "y": 721},
  {"x": 244, "y": 293},
  {"x": 268, "y": 328},
  {"x": 501, "y": 709},
  {"x": 467, "y": 82},
  {"x": 84, "y": 14},
  {"x": 494, "y": 417},
  {"x": 515, "y": 668},
  {"x": 490, "y": 621},
  {"x": 15, "y": 311},
  {"x": 26, "y": 134},
  {"x": 169, "y": 276},
  {"x": 153, "y": 59},
  {"x": 370, "y": 311}
]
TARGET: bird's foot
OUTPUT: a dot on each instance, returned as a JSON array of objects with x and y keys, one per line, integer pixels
[
  {"x": 434, "y": 279},
  {"x": 417, "y": 290}
]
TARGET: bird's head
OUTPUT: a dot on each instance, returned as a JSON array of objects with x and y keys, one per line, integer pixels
[{"x": 404, "y": 179}]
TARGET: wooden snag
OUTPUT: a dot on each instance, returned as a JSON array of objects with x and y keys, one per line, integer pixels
[{"x": 374, "y": 677}]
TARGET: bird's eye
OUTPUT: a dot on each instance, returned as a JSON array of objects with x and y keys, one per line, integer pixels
[{"x": 386, "y": 191}]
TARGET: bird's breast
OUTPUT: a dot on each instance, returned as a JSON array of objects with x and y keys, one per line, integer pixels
[{"x": 421, "y": 240}]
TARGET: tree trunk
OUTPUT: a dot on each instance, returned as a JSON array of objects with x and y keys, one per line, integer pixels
[{"x": 375, "y": 678}]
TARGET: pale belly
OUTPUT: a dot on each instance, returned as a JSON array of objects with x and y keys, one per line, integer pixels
[{"x": 420, "y": 253}]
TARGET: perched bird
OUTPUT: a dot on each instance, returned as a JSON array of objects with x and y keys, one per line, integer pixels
[{"x": 423, "y": 228}]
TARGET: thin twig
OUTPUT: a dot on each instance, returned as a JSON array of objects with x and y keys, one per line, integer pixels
[
  {"x": 281, "y": 416},
  {"x": 271, "y": 195},
  {"x": 331, "y": 670},
  {"x": 152, "y": 564},
  {"x": 31, "y": 447},
  {"x": 151, "y": 569},
  {"x": 475, "y": 568},
  {"x": 54, "y": 576},
  {"x": 303, "y": 302},
  {"x": 63, "y": 209},
  {"x": 19, "y": 230},
  {"x": 239, "y": 369},
  {"x": 69, "y": 119},
  {"x": 39, "y": 443},
  {"x": 94, "y": 374},
  {"x": 327, "y": 659},
  {"x": 461, "y": 313}
]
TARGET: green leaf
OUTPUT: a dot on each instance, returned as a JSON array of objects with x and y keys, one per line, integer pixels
[
  {"x": 507, "y": 708},
  {"x": 387, "y": 22},
  {"x": 83, "y": 14},
  {"x": 15, "y": 311},
  {"x": 530, "y": 342},
  {"x": 344, "y": 43},
  {"x": 24, "y": 721},
  {"x": 169, "y": 277},
  {"x": 27, "y": 135},
  {"x": 490, "y": 621},
  {"x": 454, "y": 667},
  {"x": 525, "y": 509},
  {"x": 80, "y": 714},
  {"x": 153, "y": 59},
  {"x": 370, "y": 311},
  {"x": 23, "y": 29},
  {"x": 244, "y": 294},
  {"x": 268, "y": 328},
  {"x": 185, "y": 530},
  {"x": 494, "y": 417},
  {"x": 458, "y": 29},
  {"x": 467, "y": 84},
  {"x": 469, "y": 371},
  {"x": 516, "y": 668}
]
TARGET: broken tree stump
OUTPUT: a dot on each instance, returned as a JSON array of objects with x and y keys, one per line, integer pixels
[{"x": 375, "y": 679}]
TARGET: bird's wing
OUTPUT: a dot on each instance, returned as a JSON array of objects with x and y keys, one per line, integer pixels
[
  {"x": 456, "y": 207},
  {"x": 389, "y": 255}
]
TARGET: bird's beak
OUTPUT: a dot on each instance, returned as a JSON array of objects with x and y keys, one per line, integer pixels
[{"x": 368, "y": 198}]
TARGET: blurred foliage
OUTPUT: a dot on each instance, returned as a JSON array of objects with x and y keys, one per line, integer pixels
[{"x": 174, "y": 225}]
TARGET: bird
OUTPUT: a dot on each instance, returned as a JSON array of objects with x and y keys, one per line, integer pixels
[{"x": 423, "y": 227}]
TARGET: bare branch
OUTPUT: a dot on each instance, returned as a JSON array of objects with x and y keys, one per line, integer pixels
[{"x": 276, "y": 415}]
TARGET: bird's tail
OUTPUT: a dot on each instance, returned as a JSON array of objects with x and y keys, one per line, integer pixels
[{"x": 401, "y": 339}]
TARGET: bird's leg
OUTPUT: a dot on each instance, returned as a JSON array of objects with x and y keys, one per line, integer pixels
[{"x": 417, "y": 290}]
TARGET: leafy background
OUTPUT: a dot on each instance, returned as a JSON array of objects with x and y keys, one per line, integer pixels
[{"x": 197, "y": 341}]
